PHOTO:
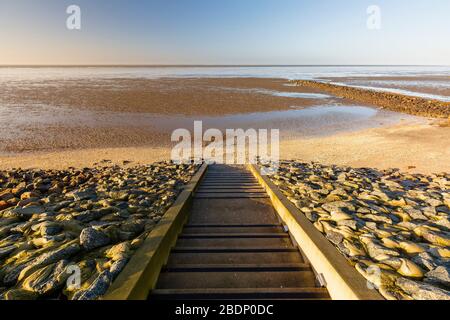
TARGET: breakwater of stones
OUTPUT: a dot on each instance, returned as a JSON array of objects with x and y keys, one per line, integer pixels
[
  {"x": 68, "y": 234},
  {"x": 391, "y": 101},
  {"x": 393, "y": 227}
]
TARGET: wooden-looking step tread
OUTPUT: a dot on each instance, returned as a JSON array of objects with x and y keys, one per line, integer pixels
[
  {"x": 234, "y": 242},
  {"x": 230, "y": 190},
  {"x": 241, "y": 195},
  {"x": 232, "y": 230},
  {"x": 232, "y": 258},
  {"x": 226, "y": 267},
  {"x": 233, "y": 279},
  {"x": 241, "y": 235},
  {"x": 234, "y": 247},
  {"x": 242, "y": 294}
]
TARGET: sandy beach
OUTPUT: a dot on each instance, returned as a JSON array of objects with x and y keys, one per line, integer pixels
[
  {"x": 83, "y": 123},
  {"x": 414, "y": 148}
]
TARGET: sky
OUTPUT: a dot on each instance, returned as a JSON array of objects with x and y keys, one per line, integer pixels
[{"x": 222, "y": 32}]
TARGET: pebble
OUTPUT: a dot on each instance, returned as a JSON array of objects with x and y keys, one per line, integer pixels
[
  {"x": 425, "y": 260},
  {"x": 50, "y": 228},
  {"x": 4, "y": 205},
  {"x": 119, "y": 251},
  {"x": 48, "y": 279},
  {"x": 439, "y": 276},
  {"x": 25, "y": 212},
  {"x": 94, "y": 218},
  {"x": 395, "y": 221},
  {"x": 91, "y": 238},
  {"x": 64, "y": 252},
  {"x": 422, "y": 291},
  {"x": 97, "y": 289}
]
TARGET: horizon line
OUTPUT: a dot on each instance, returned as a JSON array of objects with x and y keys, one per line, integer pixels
[{"x": 208, "y": 65}]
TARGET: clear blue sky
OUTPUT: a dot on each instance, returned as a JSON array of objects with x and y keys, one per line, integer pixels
[{"x": 225, "y": 32}]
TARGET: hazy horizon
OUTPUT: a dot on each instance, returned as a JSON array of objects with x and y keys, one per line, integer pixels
[{"x": 216, "y": 65}]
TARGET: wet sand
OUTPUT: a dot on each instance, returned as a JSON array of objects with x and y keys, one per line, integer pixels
[
  {"x": 421, "y": 148},
  {"x": 60, "y": 124},
  {"x": 88, "y": 129},
  {"x": 106, "y": 113},
  {"x": 162, "y": 96}
]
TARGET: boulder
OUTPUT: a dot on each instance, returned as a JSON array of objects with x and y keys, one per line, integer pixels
[
  {"x": 91, "y": 238},
  {"x": 422, "y": 291}
]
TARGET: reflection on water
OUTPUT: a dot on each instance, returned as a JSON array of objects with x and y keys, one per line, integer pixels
[
  {"x": 286, "y": 94},
  {"x": 307, "y": 122},
  {"x": 301, "y": 95},
  {"x": 318, "y": 113}
]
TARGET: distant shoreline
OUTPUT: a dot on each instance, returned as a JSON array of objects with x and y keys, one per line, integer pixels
[
  {"x": 388, "y": 100},
  {"x": 211, "y": 65}
]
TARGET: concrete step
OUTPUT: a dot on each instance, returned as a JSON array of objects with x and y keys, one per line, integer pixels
[
  {"x": 218, "y": 187},
  {"x": 242, "y": 294},
  {"x": 241, "y": 195},
  {"x": 235, "y": 242},
  {"x": 232, "y": 211},
  {"x": 230, "y": 186},
  {"x": 233, "y": 279},
  {"x": 225, "y": 177},
  {"x": 234, "y": 247},
  {"x": 264, "y": 235},
  {"x": 234, "y": 230},
  {"x": 229, "y": 190},
  {"x": 256, "y": 267},
  {"x": 217, "y": 180},
  {"x": 206, "y": 258},
  {"x": 229, "y": 177}
]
